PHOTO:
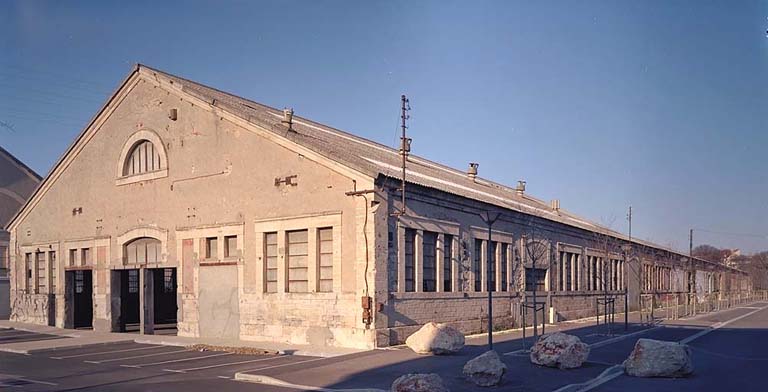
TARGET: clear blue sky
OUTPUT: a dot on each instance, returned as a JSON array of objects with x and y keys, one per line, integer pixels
[{"x": 661, "y": 105}]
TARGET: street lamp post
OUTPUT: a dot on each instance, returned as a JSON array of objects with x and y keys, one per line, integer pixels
[{"x": 489, "y": 218}]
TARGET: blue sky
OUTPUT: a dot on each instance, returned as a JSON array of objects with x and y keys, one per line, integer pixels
[{"x": 661, "y": 105}]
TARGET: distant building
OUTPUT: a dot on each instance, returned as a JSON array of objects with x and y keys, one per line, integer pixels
[
  {"x": 181, "y": 206},
  {"x": 17, "y": 182}
]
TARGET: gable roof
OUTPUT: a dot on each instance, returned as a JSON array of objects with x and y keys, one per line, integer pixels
[
  {"x": 17, "y": 183},
  {"x": 363, "y": 155}
]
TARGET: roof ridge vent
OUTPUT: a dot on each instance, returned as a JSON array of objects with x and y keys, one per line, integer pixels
[
  {"x": 288, "y": 118},
  {"x": 472, "y": 170},
  {"x": 520, "y": 189}
]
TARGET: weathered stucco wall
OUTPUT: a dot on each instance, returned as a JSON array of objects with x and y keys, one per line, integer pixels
[{"x": 219, "y": 175}]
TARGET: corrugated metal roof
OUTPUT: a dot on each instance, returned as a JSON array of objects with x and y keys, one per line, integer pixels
[{"x": 376, "y": 159}]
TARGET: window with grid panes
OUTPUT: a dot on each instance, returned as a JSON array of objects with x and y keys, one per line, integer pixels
[
  {"x": 52, "y": 269},
  {"x": 429, "y": 261},
  {"x": 477, "y": 264},
  {"x": 492, "y": 267},
  {"x": 504, "y": 266},
  {"x": 410, "y": 254},
  {"x": 325, "y": 261},
  {"x": 270, "y": 264},
  {"x": 447, "y": 262},
  {"x": 40, "y": 265},
  {"x": 297, "y": 256}
]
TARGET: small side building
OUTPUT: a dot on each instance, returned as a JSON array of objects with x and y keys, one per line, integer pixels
[{"x": 17, "y": 182}]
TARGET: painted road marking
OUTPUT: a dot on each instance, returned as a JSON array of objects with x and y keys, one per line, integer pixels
[
  {"x": 185, "y": 359},
  {"x": 226, "y": 364},
  {"x": 266, "y": 380},
  {"x": 108, "y": 352},
  {"x": 596, "y": 344},
  {"x": 4, "y": 377},
  {"x": 137, "y": 356},
  {"x": 617, "y": 370}
]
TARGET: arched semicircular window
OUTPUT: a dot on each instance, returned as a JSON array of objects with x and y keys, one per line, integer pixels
[
  {"x": 143, "y": 158},
  {"x": 142, "y": 250}
]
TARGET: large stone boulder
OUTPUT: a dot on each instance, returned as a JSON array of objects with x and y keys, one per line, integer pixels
[
  {"x": 435, "y": 338},
  {"x": 485, "y": 370},
  {"x": 656, "y": 358},
  {"x": 559, "y": 350},
  {"x": 419, "y": 382}
]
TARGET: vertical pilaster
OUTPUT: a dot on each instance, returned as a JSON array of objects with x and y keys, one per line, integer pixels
[
  {"x": 484, "y": 266},
  {"x": 497, "y": 255},
  {"x": 312, "y": 259},
  {"x": 400, "y": 259}
]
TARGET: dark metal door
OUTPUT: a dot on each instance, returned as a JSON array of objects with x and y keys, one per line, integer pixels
[
  {"x": 165, "y": 295},
  {"x": 83, "y": 299},
  {"x": 129, "y": 300}
]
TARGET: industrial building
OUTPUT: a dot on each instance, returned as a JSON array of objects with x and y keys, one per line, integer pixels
[{"x": 185, "y": 208}]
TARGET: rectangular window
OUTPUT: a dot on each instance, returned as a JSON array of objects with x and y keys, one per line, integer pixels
[
  {"x": 477, "y": 263},
  {"x": 325, "y": 262},
  {"x": 447, "y": 262},
  {"x": 504, "y": 266},
  {"x": 535, "y": 278},
  {"x": 211, "y": 248},
  {"x": 297, "y": 257},
  {"x": 429, "y": 261},
  {"x": 410, "y": 271},
  {"x": 72, "y": 257},
  {"x": 567, "y": 271},
  {"x": 3, "y": 261},
  {"x": 133, "y": 281},
  {"x": 230, "y": 246},
  {"x": 40, "y": 265},
  {"x": 52, "y": 269},
  {"x": 28, "y": 269},
  {"x": 270, "y": 264},
  {"x": 169, "y": 280},
  {"x": 79, "y": 281},
  {"x": 85, "y": 256},
  {"x": 575, "y": 272},
  {"x": 492, "y": 267}
]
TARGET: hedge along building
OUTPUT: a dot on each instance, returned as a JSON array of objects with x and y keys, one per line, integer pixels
[{"x": 181, "y": 204}]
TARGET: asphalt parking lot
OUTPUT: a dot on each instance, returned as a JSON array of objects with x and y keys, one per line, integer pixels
[
  {"x": 11, "y": 335},
  {"x": 727, "y": 349}
]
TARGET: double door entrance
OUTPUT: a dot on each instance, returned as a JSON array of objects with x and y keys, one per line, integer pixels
[{"x": 147, "y": 300}]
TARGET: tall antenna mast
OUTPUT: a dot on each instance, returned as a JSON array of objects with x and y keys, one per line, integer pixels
[{"x": 405, "y": 148}]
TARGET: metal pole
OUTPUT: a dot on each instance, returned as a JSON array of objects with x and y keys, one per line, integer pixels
[
  {"x": 624, "y": 274},
  {"x": 489, "y": 258}
]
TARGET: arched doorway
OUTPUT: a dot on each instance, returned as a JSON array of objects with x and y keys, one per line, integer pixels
[{"x": 148, "y": 294}]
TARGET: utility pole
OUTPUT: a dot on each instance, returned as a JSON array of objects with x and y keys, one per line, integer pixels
[
  {"x": 489, "y": 219},
  {"x": 692, "y": 278},
  {"x": 405, "y": 148},
  {"x": 624, "y": 273}
]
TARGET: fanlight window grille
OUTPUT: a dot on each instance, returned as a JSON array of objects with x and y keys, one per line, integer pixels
[{"x": 143, "y": 158}]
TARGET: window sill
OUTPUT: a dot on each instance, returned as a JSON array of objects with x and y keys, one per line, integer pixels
[{"x": 141, "y": 177}]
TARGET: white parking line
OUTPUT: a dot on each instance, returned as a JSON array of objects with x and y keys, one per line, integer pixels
[
  {"x": 285, "y": 364},
  {"x": 617, "y": 370},
  {"x": 137, "y": 356},
  {"x": 225, "y": 364},
  {"x": 185, "y": 359},
  {"x": 599, "y": 343},
  {"x": 108, "y": 352},
  {"x": 15, "y": 377}
]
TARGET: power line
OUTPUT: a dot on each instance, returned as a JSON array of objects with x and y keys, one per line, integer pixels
[{"x": 754, "y": 235}]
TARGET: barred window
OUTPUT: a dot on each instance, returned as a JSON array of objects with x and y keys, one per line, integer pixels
[
  {"x": 169, "y": 280},
  {"x": 429, "y": 261},
  {"x": 28, "y": 270},
  {"x": 325, "y": 260},
  {"x": 410, "y": 271},
  {"x": 270, "y": 265},
  {"x": 297, "y": 256},
  {"x": 535, "y": 278},
  {"x": 133, "y": 281},
  {"x": 492, "y": 266},
  {"x": 447, "y": 262},
  {"x": 3, "y": 261}
]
